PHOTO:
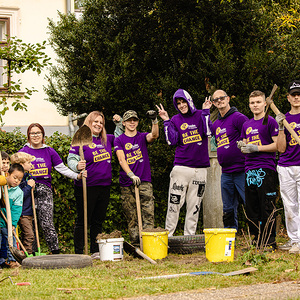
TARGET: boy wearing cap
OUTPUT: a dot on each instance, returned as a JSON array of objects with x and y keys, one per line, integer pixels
[
  {"x": 259, "y": 145},
  {"x": 289, "y": 168},
  {"x": 132, "y": 153},
  {"x": 188, "y": 131}
]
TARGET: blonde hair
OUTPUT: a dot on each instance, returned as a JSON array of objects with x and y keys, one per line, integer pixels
[
  {"x": 21, "y": 158},
  {"x": 91, "y": 118}
]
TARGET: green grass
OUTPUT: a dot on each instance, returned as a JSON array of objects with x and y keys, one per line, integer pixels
[{"x": 113, "y": 280}]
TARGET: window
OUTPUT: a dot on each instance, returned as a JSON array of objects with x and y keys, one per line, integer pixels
[{"x": 4, "y": 34}]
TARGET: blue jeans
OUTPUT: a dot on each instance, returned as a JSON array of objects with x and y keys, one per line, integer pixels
[
  {"x": 232, "y": 186},
  {"x": 3, "y": 233}
]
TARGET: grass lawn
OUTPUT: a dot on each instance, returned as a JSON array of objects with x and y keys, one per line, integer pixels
[{"x": 120, "y": 279}]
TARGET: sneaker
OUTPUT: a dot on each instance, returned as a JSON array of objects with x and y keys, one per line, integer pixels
[
  {"x": 95, "y": 255},
  {"x": 13, "y": 264},
  {"x": 287, "y": 246},
  {"x": 295, "y": 249}
]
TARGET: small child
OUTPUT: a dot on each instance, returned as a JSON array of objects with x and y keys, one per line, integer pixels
[
  {"x": 5, "y": 162},
  {"x": 15, "y": 194},
  {"x": 26, "y": 185}
]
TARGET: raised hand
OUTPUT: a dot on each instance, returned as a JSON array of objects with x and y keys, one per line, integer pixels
[
  {"x": 207, "y": 103},
  {"x": 162, "y": 113}
]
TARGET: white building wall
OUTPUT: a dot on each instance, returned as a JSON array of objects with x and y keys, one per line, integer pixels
[{"x": 30, "y": 23}]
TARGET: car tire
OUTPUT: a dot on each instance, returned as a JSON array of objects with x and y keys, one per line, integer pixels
[
  {"x": 57, "y": 261},
  {"x": 186, "y": 244}
]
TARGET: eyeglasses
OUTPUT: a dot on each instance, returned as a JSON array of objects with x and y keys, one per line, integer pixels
[
  {"x": 35, "y": 133},
  {"x": 219, "y": 99}
]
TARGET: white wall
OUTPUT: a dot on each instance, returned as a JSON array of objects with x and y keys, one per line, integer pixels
[{"x": 31, "y": 21}]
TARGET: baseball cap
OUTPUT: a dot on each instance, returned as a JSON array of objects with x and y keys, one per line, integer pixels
[
  {"x": 130, "y": 114},
  {"x": 294, "y": 86}
]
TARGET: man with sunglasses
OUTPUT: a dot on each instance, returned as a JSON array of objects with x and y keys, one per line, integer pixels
[{"x": 227, "y": 131}]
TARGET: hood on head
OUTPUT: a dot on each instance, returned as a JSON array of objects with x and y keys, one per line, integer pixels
[{"x": 186, "y": 96}]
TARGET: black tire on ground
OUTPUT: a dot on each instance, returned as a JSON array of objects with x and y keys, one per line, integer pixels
[
  {"x": 57, "y": 261},
  {"x": 186, "y": 244}
]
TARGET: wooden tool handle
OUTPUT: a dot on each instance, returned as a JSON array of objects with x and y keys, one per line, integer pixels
[
  {"x": 8, "y": 212},
  {"x": 142, "y": 254},
  {"x": 139, "y": 215},
  {"x": 85, "y": 218},
  {"x": 35, "y": 219},
  {"x": 15, "y": 235},
  {"x": 286, "y": 123}
]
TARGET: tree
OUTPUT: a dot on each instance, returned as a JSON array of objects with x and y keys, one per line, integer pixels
[
  {"x": 131, "y": 54},
  {"x": 20, "y": 57}
]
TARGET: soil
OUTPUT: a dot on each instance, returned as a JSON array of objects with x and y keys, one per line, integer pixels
[{"x": 113, "y": 235}]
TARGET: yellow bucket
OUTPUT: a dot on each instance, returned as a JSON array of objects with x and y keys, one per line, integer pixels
[
  {"x": 155, "y": 244},
  {"x": 219, "y": 244}
]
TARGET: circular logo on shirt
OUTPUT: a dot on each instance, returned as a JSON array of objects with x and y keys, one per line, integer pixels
[
  {"x": 249, "y": 129},
  {"x": 293, "y": 125},
  {"x": 128, "y": 146},
  {"x": 218, "y": 130},
  {"x": 184, "y": 126},
  {"x": 92, "y": 146},
  {"x": 33, "y": 158}
]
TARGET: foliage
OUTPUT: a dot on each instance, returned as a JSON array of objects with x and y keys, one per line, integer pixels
[
  {"x": 20, "y": 57},
  {"x": 64, "y": 201},
  {"x": 134, "y": 54}
]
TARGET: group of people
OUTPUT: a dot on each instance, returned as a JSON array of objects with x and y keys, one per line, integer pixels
[{"x": 246, "y": 151}]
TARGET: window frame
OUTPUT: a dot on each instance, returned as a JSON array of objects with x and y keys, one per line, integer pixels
[{"x": 3, "y": 43}]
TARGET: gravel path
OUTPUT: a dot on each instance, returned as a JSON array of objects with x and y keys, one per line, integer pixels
[{"x": 283, "y": 290}]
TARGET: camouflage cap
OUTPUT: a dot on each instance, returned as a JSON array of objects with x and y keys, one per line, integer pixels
[{"x": 130, "y": 114}]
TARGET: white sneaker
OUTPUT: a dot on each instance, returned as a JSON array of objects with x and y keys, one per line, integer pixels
[
  {"x": 287, "y": 246},
  {"x": 295, "y": 249},
  {"x": 95, "y": 255}
]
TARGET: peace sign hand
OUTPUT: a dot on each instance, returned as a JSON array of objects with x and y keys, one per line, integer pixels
[{"x": 162, "y": 113}]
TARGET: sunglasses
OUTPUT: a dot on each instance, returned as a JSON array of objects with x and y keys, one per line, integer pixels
[{"x": 219, "y": 99}]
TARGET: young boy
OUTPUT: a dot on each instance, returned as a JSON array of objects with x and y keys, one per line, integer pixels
[
  {"x": 188, "y": 131},
  {"x": 15, "y": 194},
  {"x": 289, "y": 168},
  {"x": 5, "y": 162},
  {"x": 259, "y": 145},
  {"x": 26, "y": 185},
  {"x": 131, "y": 150}
]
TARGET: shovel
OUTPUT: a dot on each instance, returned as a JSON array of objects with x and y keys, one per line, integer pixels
[
  {"x": 16, "y": 236},
  {"x": 83, "y": 137},
  {"x": 130, "y": 249},
  {"x": 16, "y": 253},
  {"x": 36, "y": 227},
  {"x": 139, "y": 215}
]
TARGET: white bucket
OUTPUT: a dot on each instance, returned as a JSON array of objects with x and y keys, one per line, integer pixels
[{"x": 111, "y": 249}]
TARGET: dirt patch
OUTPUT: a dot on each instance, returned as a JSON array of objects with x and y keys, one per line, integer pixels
[
  {"x": 158, "y": 229},
  {"x": 113, "y": 235}
]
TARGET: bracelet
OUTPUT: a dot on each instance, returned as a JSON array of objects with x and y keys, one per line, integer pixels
[{"x": 154, "y": 122}]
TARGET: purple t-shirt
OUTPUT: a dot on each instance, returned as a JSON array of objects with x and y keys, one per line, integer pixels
[
  {"x": 227, "y": 132},
  {"x": 136, "y": 155},
  {"x": 98, "y": 161},
  {"x": 258, "y": 134},
  {"x": 291, "y": 156},
  {"x": 189, "y": 134},
  {"x": 44, "y": 159}
]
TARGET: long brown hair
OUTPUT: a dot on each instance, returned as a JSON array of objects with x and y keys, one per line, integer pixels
[
  {"x": 91, "y": 118},
  {"x": 35, "y": 125}
]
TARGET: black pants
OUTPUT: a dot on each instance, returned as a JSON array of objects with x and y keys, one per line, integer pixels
[
  {"x": 261, "y": 190},
  {"x": 97, "y": 202}
]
